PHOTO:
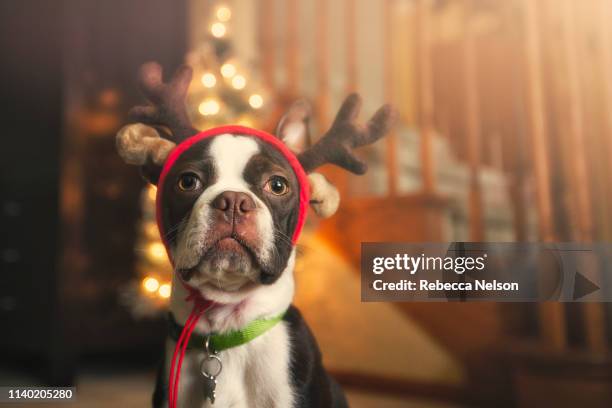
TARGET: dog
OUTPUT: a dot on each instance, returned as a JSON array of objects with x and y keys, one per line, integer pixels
[{"x": 231, "y": 202}]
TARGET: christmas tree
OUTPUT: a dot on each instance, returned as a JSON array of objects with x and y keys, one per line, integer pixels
[{"x": 220, "y": 93}]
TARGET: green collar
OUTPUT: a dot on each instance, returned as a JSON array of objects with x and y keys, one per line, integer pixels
[{"x": 223, "y": 341}]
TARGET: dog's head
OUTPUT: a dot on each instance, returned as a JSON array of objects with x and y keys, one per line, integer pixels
[
  {"x": 230, "y": 206},
  {"x": 232, "y": 200}
]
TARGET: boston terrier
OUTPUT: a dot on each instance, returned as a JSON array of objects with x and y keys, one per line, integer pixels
[{"x": 231, "y": 202}]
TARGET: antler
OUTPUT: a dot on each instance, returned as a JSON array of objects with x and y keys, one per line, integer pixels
[
  {"x": 167, "y": 101},
  {"x": 345, "y": 134}
]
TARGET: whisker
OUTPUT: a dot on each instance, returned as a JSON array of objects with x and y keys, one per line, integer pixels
[{"x": 175, "y": 228}]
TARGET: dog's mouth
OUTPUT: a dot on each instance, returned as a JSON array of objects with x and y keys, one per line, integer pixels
[
  {"x": 229, "y": 263},
  {"x": 231, "y": 243}
]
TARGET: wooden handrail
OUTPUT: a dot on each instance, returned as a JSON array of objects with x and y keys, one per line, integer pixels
[
  {"x": 472, "y": 113},
  {"x": 292, "y": 51},
  {"x": 594, "y": 318},
  {"x": 266, "y": 42},
  {"x": 391, "y": 140},
  {"x": 425, "y": 94},
  {"x": 350, "y": 36},
  {"x": 551, "y": 315},
  {"x": 605, "y": 41}
]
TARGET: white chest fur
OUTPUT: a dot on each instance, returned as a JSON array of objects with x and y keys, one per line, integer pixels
[{"x": 254, "y": 375}]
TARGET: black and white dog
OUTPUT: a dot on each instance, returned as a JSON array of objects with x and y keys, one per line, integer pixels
[{"x": 230, "y": 206}]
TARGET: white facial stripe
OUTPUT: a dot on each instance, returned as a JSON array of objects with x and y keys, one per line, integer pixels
[{"x": 230, "y": 155}]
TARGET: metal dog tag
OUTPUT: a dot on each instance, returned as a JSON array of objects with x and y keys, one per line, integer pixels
[
  {"x": 209, "y": 389},
  {"x": 210, "y": 368}
]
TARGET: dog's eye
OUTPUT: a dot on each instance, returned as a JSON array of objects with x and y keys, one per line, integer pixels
[
  {"x": 277, "y": 185},
  {"x": 189, "y": 182}
]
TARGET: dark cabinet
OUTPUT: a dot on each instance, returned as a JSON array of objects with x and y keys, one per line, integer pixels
[{"x": 68, "y": 206}]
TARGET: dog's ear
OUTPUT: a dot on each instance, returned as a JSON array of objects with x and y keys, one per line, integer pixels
[
  {"x": 293, "y": 127},
  {"x": 142, "y": 146},
  {"x": 324, "y": 196}
]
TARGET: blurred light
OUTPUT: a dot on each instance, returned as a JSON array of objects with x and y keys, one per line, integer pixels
[
  {"x": 157, "y": 251},
  {"x": 152, "y": 193},
  {"x": 165, "y": 290},
  {"x": 209, "y": 80},
  {"x": 239, "y": 82},
  {"x": 228, "y": 70},
  {"x": 245, "y": 122},
  {"x": 256, "y": 101},
  {"x": 151, "y": 229},
  {"x": 109, "y": 98},
  {"x": 224, "y": 13},
  {"x": 150, "y": 284},
  {"x": 209, "y": 107},
  {"x": 218, "y": 30}
]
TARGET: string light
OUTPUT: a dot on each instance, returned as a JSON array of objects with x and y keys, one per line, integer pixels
[
  {"x": 224, "y": 13},
  {"x": 152, "y": 193},
  {"x": 218, "y": 29},
  {"x": 256, "y": 101},
  {"x": 157, "y": 251},
  {"x": 209, "y": 80},
  {"x": 150, "y": 284},
  {"x": 165, "y": 290},
  {"x": 239, "y": 82},
  {"x": 209, "y": 107},
  {"x": 228, "y": 70}
]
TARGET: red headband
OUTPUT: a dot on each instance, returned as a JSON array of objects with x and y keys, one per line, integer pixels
[{"x": 237, "y": 130}]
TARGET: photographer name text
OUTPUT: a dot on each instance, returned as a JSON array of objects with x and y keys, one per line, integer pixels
[{"x": 424, "y": 284}]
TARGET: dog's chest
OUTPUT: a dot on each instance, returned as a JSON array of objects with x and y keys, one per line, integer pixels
[{"x": 254, "y": 375}]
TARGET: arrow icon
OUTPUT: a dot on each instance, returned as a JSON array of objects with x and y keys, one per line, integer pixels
[{"x": 583, "y": 286}]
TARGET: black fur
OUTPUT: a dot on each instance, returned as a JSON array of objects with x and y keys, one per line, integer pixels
[
  {"x": 312, "y": 385},
  {"x": 284, "y": 209},
  {"x": 160, "y": 395}
]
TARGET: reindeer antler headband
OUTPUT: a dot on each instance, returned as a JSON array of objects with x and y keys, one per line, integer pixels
[{"x": 163, "y": 131}]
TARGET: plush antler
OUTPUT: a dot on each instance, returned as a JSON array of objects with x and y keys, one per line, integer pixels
[
  {"x": 167, "y": 110},
  {"x": 345, "y": 134}
]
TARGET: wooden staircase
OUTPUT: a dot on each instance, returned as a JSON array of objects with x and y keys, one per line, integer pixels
[{"x": 503, "y": 347}]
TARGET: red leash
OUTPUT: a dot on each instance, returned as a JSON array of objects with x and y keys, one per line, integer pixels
[{"x": 200, "y": 306}]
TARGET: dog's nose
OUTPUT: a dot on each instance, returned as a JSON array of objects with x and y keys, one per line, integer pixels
[{"x": 233, "y": 202}]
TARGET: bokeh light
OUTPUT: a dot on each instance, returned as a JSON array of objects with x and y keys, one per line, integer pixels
[
  {"x": 209, "y": 107},
  {"x": 150, "y": 284},
  {"x": 209, "y": 80},
  {"x": 256, "y": 101},
  {"x": 228, "y": 70},
  {"x": 218, "y": 30}
]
